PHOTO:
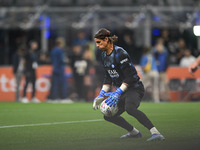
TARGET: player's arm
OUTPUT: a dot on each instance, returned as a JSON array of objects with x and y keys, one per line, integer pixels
[
  {"x": 113, "y": 99},
  {"x": 127, "y": 68},
  {"x": 194, "y": 66},
  {"x": 128, "y": 72},
  {"x": 105, "y": 88}
]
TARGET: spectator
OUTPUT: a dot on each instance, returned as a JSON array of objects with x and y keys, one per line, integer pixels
[
  {"x": 129, "y": 47},
  {"x": 187, "y": 59},
  {"x": 59, "y": 82},
  {"x": 180, "y": 50},
  {"x": 89, "y": 76},
  {"x": 165, "y": 37},
  {"x": 161, "y": 56},
  {"x": 43, "y": 59},
  {"x": 80, "y": 69},
  {"x": 81, "y": 39},
  {"x": 18, "y": 68},
  {"x": 30, "y": 71},
  {"x": 151, "y": 74}
]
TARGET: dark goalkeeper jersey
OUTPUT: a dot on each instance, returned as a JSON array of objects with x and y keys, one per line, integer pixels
[{"x": 119, "y": 68}]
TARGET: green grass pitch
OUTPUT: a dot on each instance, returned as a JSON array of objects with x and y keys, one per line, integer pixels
[{"x": 77, "y": 126}]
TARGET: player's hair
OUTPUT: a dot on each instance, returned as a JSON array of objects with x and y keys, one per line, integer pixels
[
  {"x": 30, "y": 43},
  {"x": 60, "y": 41},
  {"x": 102, "y": 33},
  {"x": 21, "y": 49}
]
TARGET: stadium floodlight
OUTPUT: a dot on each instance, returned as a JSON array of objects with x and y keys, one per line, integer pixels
[{"x": 196, "y": 30}]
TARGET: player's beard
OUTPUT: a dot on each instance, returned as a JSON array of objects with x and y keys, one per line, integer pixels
[{"x": 104, "y": 48}]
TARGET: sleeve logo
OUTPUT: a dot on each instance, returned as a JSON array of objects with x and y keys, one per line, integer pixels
[{"x": 124, "y": 60}]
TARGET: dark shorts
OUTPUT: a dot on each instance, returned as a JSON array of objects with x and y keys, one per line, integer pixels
[{"x": 131, "y": 97}]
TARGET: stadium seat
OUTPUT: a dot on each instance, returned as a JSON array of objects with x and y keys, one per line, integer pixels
[
  {"x": 189, "y": 87},
  {"x": 175, "y": 88},
  {"x": 175, "y": 84}
]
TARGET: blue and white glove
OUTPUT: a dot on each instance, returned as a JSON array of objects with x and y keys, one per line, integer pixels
[
  {"x": 99, "y": 99},
  {"x": 113, "y": 99}
]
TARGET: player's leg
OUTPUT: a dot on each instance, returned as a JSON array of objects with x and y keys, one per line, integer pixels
[
  {"x": 63, "y": 86},
  {"x": 155, "y": 84},
  {"x": 54, "y": 86},
  {"x": 25, "y": 85},
  {"x": 120, "y": 121},
  {"x": 33, "y": 80},
  {"x": 18, "y": 77},
  {"x": 132, "y": 102},
  {"x": 27, "y": 80}
]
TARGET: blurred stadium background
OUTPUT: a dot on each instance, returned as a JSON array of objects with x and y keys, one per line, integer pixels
[
  {"x": 143, "y": 20},
  {"x": 76, "y": 126}
]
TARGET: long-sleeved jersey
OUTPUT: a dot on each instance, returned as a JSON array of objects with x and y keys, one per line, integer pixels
[{"x": 119, "y": 68}]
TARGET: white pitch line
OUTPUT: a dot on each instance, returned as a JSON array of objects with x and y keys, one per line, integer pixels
[{"x": 47, "y": 124}]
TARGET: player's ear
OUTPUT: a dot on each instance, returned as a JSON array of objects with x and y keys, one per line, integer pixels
[{"x": 106, "y": 39}]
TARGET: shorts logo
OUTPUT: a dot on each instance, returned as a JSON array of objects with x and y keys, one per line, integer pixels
[{"x": 124, "y": 60}]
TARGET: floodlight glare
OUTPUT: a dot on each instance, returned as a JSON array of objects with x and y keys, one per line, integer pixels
[{"x": 196, "y": 30}]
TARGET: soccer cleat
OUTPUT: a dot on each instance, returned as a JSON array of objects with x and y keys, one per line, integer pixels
[
  {"x": 156, "y": 137},
  {"x": 35, "y": 100},
  {"x": 24, "y": 100},
  {"x": 129, "y": 135},
  {"x": 67, "y": 101}
]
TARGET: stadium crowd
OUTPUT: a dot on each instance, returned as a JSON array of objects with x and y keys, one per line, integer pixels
[{"x": 81, "y": 56}]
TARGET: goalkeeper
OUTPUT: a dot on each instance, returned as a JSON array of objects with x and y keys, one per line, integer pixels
[{"x": 121, "y": 73}]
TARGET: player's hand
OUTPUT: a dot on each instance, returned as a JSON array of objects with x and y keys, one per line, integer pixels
[
  {"x": 193, "y": 67},
  {"x": 113, "y": 99},
  {"x": 98, "y": 99}
]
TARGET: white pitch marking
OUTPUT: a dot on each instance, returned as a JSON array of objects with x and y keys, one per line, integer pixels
[{"x": 47, "y": 124}]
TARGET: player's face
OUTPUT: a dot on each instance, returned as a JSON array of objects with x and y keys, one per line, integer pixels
[{"x": 101, "y": 44}]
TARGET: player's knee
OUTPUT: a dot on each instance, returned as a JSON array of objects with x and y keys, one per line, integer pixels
[
  {"x": 106, "y": 118},
  {"x": 130, "y": 109},
  {"x": 109, "y": 118}
]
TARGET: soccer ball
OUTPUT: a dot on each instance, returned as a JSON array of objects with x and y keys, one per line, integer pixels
[{"x": 107, "y": 110}]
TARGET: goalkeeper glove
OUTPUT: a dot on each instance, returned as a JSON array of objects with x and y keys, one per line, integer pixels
[
  {"x": 98, "y": 99},
  {"x": 113, "y": 99}
]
